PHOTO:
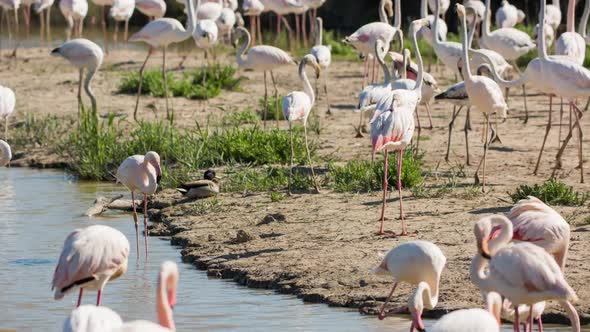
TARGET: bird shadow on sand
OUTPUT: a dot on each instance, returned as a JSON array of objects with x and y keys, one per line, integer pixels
[
  {"x": 492, "y": 210},
  {"x": 247, "y": 254}
]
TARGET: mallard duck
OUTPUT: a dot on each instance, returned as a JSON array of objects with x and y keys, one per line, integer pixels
[{"x": 207, "y": 187}]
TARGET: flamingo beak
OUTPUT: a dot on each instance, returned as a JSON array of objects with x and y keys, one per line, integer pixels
[
  {"x": 417, "y": 319},
  {"x": 485, "y": 250},
  {"x": 158, "y": 173}
]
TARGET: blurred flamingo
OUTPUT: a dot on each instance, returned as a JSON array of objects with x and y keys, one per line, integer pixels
[
  {"x": 5, "y": 154},
  {"x": 206, "y": 31},
  {"x": 570, "y": 43},
  {"x": 323, "y": 55},
  {"x": 74, "y": 11},
  {"x": 103, "y": 23},
  {"x": 121, "y": 10},
  {"x": 153, "y": 9},
  {"x": 7, "y": 102},
  {"x": 254, "y": 8},
  {"x": 91, "y": 318}
]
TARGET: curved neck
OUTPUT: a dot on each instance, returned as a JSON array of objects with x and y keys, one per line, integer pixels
[
  {"x": 89, "y": 75},
  {"x": 485, "y": 31},
  {"x": 542, "y": 42},
  {"x": 423, "y": 8},
  {"x": 306, "y": 84},
  {"x": 505, "y": 235},
  {"x": 240, "y": 58},
  {"x": 582, "y": 27},
  {"x": 382, "y": 14},
  {"x": 319, "y": 31},
  {"x": 435, "y": 36},
  {"x": 466, "y": 71},
  {"x": 503, "y": 83},
  {"x": 423, "y": 295},
  {"x": 420, "y": 78},
  {"x": 494, "y": 304},
  {"x": 163, "y": 304},
  {"x": 571, "y": 15},
  {"x": 478, "y": 275},
  {"x": 397, "y": 16},
  {"x": 381, "y": 60},
  {"x": 191, "y": 19},
  {"x": 472, "y": 29}
]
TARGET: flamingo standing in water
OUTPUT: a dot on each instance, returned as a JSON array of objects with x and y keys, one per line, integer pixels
[
  {"x": 392, "y": 126},
  {"x": 153, "y": 9},
  {"x": 121, "y": 10},
  {"x": 91, "y": 318},
  {"x": 5, "y": 153},
  {"x": 323, "y": 55},
  {"x": 254, "y": 8},
  {"x": 90, "y": 258},
  {"x": 74, "y": 11},
  {"x": 140, "y": 174},
  {"x": 103, "y": 19},
  {"x": 524, "y": 273},
  {"x": 7, "y": 102},
  {"x": 419, "y": 263},
  {"x": 43, "y": 9},
  {"x": 296, "y": 106},
  {"x": 161, "y": 33},
  {"x": 82, "y": 54}
]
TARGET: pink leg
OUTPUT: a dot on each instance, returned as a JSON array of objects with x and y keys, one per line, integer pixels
[
  {"x": 279, "y": 19},
  {"x": 399, "y": 189},
  {"x": 297, "y": 30},
  {"x": 530, "y": 323},
  {"x": 99, "y": 297},
  {"x": 253, "y": 29},
  {"x": 366, "y": 72},
  {"x": 136, "y": 222},
  {"x": 381, "y": 312},
  {"x": 385, "y": 168},
  {"x": 145, "y": 234},
  {"x": 80, "y": 297},
  {"x": 540, "y": 324},
  {"x": 258, "y": 27},
  {"x": 516, "y": 322},
  {"x": 373, "y": 74}
]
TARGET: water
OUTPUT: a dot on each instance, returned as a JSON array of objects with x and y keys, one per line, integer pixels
[{"x": 40, "y": 207}]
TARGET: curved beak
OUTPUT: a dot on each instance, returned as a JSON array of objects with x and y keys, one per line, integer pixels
[{"x": 317, "y": 69}]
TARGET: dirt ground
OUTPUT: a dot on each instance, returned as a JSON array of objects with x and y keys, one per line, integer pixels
[{"x": 321, "y": 247}]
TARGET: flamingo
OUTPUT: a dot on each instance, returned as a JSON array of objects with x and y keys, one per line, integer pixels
[
  {"x": 7, "y": 102},
  {"x": 5, "y": 153},
  {"x": 448, "y": 52},
  {"x": 165, "y": 301},
  {"x": 313, "y": 6},
  {"x": 300, "y": 9},
  {"x": 457, "y": 95},
  {"x": 140, "y": 174},
  {"x": 226, "y": 22},
  {"x": 484, "y": 94},
  {"x": 10, "y": 6},
  {"x": 549, "y": 34},
  {"x": 260, "y": 58},
  {"x": 82, "y": 54},
  {"x": 508, "y": 312},
  {"x": 571, "y": 43},
  {"x": 583, "y": 25},
  {"x": 121, "y": 10},
  {"x": 419, "y": 263},
  {"x": 254, "y": 8},
  {"x": 103, "y": 4},
  {"x": 524, "y": 273},
  {"x": 465, "y": 320},
  {"x": 206, "y": 31},
  {"x": 425, "y": 31},
  {"x": 153, "y": 9},
  {"x": 392, "y": 126},
  {"x": 323, "y": 55},
  {"x": 74, "y": 11},
  {"x": 507, "y": 16},
  {"x": 161, "y": 33},
  {"x": 478, "y": 10},
  {"x": 26, "y": 8},
  {"x": 444, "y": 6},
  {"x": 90, "y": 318},
  {"x": 209, "y": 10},
  {"x": 553, "y": 14},
  {"x": 232, "y": 4},
  {"x": 296, "y": 106},
  {"x": 90, "y": 258},
  {"x": 43, "y": 9}
]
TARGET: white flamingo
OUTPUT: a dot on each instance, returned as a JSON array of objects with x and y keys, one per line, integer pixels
[
  {"x": 74, "y": 11},
  {"x": 90, "y": 258},
  {"x": 524, "y": 273},
  {"x": 103, "y": 19},
  {"x": 91, "y": 318},
  {"x": 260, "y": 58},
  {"x": 226, "y": 22},
  {"x": 444, "y": 6},
  {"x": 253, "y": 9},
  {"x": 5, "y": 153},
  {"x": 484, "y": 94},
  {"x": 467, "y": 320},
  {"x": 448, "y": 52},
  {"x": 84, "y": 55},
  {"x": 43, "y": 9},
  {"x": 153, "y": 9},
  {"x": 549, "y": 34},
  {"x": 209, "y": 10},
  {"x": 507, "y": 16},
  {"x": 583, "y": 25},
  {"x": 419, "y": 263},
  {"x": 7, "y": 103},
  {"x": 159, "y": 34},
  {"x": 323, "y": 55},
  {"x": 479, "y": 10},
  {"x": 392, "y": 126},
  {"x": 571, "y": 43},
  {"x": 121, "y": 10},
  {"x": 206, "y": 31},
  {"x": 425, "y": 31},
  {"x": 553, "y": 15},
  {"x": 296, "y": 107},
  {"x": 313, "y": 6}
]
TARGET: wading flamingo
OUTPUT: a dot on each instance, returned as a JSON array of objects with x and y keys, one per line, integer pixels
[
  {"x": 153, "y": 9},
  {"x": 159, "y": 34},
  {"x": 524, "y": 273},
  {"x": 82, "y": 54},
  {"x": 484, "y": 94},
  {"x": 296, "y": 106},
  {"x": 570, "y": 43},
  {"x": 5, "y": 154},
  {"x": 140, "y": 174},
  {"x": 74, "y": 11},
  {"x": 43, "y": 9},
  {"x": 392, "y": 126},
  {"x": 7, "y": 102},
  {"x": 323, "y": 55},
  {"x": 260, "y": 58},
  {"x": 103, "y": 19},
  {"x": 90, "y": 258},
  {"x": 165, "y": 301},
  {"x": 91, "y": 318},
  {"x": 253, "y": 9},
  {"x": 121, "y": 10},
  {"x": 419, "y": 263}
]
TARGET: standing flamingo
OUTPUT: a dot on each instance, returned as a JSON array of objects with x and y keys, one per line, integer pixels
[
  {"x": 447, "y": 51},
  {"x": 226, "y": 22},
  {"x": 121, "y": 10},
  {"x": 484, "y": 94},
  {"x": 91, "y": 318},
  {"x": 253, "y": 9},
  {"x": 323, "y": 55},
  {"x": 5, "y": 153},
  {"x": 82, "y": 54},
  {"x": 90, "y": 258},
  {"x": 419, "y": 263},
  {"x": 553, "y": 14},
  {"x": 25, "y": 5},
  {"x": 11, "y": 6},
  {"x": 507, "y": 16},
  {"x": 296, "y": 106},
  {"x": 161, "y": 33},
  {"x": 465, "y": 320},
  {"x": 209, "y": 10},
  {"x": 43, "y": 9},
  {"x": 7, "y": 102},
  {"x": 444, "y": 6},
  {"x": 571, "y": 43},
  {"x": 392, "y": 126},
  {"x": 74, "y": 11},
  {"x": 140, "y": 174},
  {"x": 153, "y": 9},
  {"x": 103, "y": 20},
  {"x": 261, "y": 58},
  {"x": 206, "y": 31},
  {"x": 425, "y": 32},
  {"x": 524, "y": 273}
]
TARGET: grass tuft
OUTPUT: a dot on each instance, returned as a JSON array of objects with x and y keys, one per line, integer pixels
[
  {"x": 267, "y": 179},
  {"x": 551, "y": 192}
]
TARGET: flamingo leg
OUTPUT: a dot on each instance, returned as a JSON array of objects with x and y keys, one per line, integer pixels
[
  {"x": 547, "y": 129},
  {"x": 48, "y": 22},
  {"x": 80, "y": 105},
  {"x": 451, "y": 124},
  {"x": 385, "y": 168},
  {"x": 265, "y": 102},
  {"x": 400, "y": 155},
  {"x": 116, "y": 33},
  {"x": 80, "y": 297},
  {"x": 297, "y": 31},
  {"x": 304, "y": 29},
  {"x": 466, "y": 129},
  {"x": 140, "y": 82},
  {"x": 169, "y": 116},
  {"x": 580, "y": 141},
  {"x": 41, "y": 27},
  {"x": 359, "y": 130},
  {"x": 135, "y": 221},
  {"x": 279, "y": 19},
  {"x": 329, "y": 112},
  {"x": 540, "y": 324},
  {"x": 366, "y": 72},
  {"x": 291, "y": 162},
  {"x": 587, "y": 104},
  {"x": 253, "y": 29},
  {"x": 516, "y": 321},
  {"x": 104, "y": 29},
  {"x": 485, "y": 151},
  {"x": 567, "y": 139},
  {"x": 526, "y": 108},
  {"x": 145, "y": 232},
  {"x": 126, "y": 31},
  {"x": 98, "y": 297},
  {"x": 430, "y": 126},
  {"x": 274, "y": 85},
  {"x": 259, "y": 29},
  {"x": 381, "y": 312},
  {"x": 560, "y": 123},
  {"x": 313, "y": 178},
  {"x": 6, "y": 128}
]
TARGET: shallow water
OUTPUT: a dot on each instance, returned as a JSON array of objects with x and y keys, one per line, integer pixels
[{"x": 38, "y": 208}]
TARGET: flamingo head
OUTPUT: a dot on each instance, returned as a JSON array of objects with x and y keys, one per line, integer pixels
[
  {"x": 153, "y": 158},
  {"x": 418, "y": 24},
  {"x": 236, "y": 34},
  {"x": 312, "y": 61},
  {"x": 416, "y": 306},
  {"x": 388, "y": 5},
  {"x": 168, "y": 279},
  {"x": 482, "y": 231},
  {"x": 460, "y": 9}
]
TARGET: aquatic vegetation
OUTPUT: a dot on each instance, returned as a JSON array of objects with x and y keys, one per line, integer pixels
[{"x": 552, "y": 192}]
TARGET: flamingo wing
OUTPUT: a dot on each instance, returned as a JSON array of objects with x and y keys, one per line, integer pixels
[
  {"x": 90, "y": 318},
  {"x": 296, "y": 106}
]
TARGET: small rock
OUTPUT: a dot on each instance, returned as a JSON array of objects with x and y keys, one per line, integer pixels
[
  {"x": 273, "y": 217},
  {"x": 244, "y": 236},
  {"x": 363, "y": 283}
]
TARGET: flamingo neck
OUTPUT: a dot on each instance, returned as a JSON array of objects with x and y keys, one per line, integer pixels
[
  {"x": 397, "y": 18},
  {"x": 380, "y": 58},
  {"x": 306, "y": 84},
  {"x": 494, "y": 305},
  {"x": 466, "y": 71},
  {"x": 505, "y": 236},
  {"x": 382, "y": 14},
  {"x": 582, "y": 27},
  {"x": 420, "y": 78},
  {"x": 472, "y": 28},
  {"x": 319, "y": 32},
  {"x": 478, "y": 275},
  {"x": 191, "y": 21},
  {"x": 486, "y": 20},
  {"x": 240, "y": 57},
  {"x": 435, "y": 36},
  {"x": 163, "y": 305},
  {"x": 542, "y": 43},
  {"x": 423, "y": 297},
  {"x": 423, "y": 8},
  {"x": 571, "y": 15},
  {"x": 89, "y": 75}
]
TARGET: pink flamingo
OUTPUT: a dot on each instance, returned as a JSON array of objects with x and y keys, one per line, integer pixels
[
  {"x": 90, "y": 258},
  {"x": 254, "y": 8},
  {"x": 5, "y": 153},
  {"x": 87, "y": 318},
  {"x": 392, "y": 126},
  {"x": 419, "y": 263},
  {"x": 140, "y": 174},
  {"x": 7, "y": 102},
  {"x": 153, "y": 9},
  {"x": 466, "y": 320},
  {"x": 524, "y": 273}
]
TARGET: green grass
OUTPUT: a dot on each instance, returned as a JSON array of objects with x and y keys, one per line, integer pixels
[
  {"x": 552, "y": 192},
  {"x": 364, "y": 176},
  {"x": 269, "y": 179},
  {"x": 274, "y": 108},
  {"x": 235, "y": 118},
  {"x": 39, "y": 130},
  {"x": 202, "y": 83}
]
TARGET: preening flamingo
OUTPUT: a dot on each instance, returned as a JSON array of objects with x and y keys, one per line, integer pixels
[
  {"x": 84, "y": 55},
  {"x": 571, "y": 43},
  {"x": 90, "y": 258},
  {"x": 91, "y": 318},
  {"x": 507, "y": 16},
  {"x": 121, "y": 10},
  {"x": 323, "y": 55},
  {"x": 392, "y": 126},
  {"x": 484, "y": 94},
  {"x": 159, "y": 34},
  {"x": 74, "y": 11},
  {"x": 206, "y": 31},
  {"x": 103, "y": 19},
  {"x": 5, "y": 153},
  {"x": 254, "y": 8},
  {"x": 7, "y": 103},
  {"x": 153, "y": 9},
  {"x": 260, "y": 58},
  {"x": 524, "y": 273},
  {"x": 140, "y": 174},
  {"x": 419, "y": 263},
  {"x": 296, "y": 106}
]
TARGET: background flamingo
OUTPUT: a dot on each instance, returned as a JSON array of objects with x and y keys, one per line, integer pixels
[
  {"x": 43, "y": 9},
  {"x": 153, "y": 9},
  {"x": 90, "y": 318},
  {"x": 5, "y": 153},
  {"x": 323, "y": 55},
  {"x": 103, "y": 20},
  {"x": 140, "y": 174},
  {"x": 206, "y": 31},
  {"x": 90, "y": 258},
  {"x": 253, "y": 9},
  {"x": 7, "y": 102},
  {"x": 121, "y": 10},
  {"x": 74, "y": 11},
  {"x": 553, "y": 14},
  {"x": 507, "y": 16},
  {"x": 571, "y": 43}
]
